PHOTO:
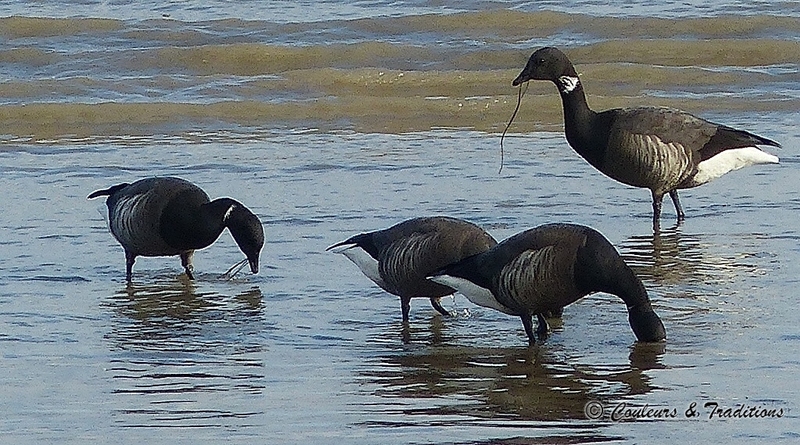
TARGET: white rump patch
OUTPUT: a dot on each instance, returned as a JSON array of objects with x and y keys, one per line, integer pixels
[
  {"x": 474, "y": 293},
  {"x": 567, "y": 84},
  {"x": 730, "y": 160},
  {"x": 362, "y": 259}
]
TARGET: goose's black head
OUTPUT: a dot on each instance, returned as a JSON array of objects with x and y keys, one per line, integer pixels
[
  {"x": 646, "y": 325},
  {"x": 247, "y": 232},
  {"x": 546, "y": 64}
]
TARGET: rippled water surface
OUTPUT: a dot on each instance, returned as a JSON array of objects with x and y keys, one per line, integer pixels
[{"x": 333, "y": 118}]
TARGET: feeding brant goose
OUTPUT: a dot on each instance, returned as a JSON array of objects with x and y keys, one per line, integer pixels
[
  {"x": 165, "y": 216},
  {"x": 661, "y": 149},
  {"x": 549, "y": 267},
  {"x": 399, "y": 259}
]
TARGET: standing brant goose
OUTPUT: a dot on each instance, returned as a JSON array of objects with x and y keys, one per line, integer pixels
[
  {"x": 399, "y": 259},
  {"x": 549, "y": 267},
  {"x": 165, "y": 216},
  {"x": 661, "y": 149}
]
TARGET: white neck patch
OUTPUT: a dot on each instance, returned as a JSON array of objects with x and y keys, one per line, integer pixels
[
  {"x": 228, "y": 213},
  {"x": 567, "y": 84}
]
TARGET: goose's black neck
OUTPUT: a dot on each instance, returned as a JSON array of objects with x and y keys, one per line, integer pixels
[
  {"x": 599, "y": 268},
  {"x": 645, "y": 323},
  {"x": 216, "y": 215},
  {"x": 579, "y": 119},
  {"x": 194, "y": 225}
]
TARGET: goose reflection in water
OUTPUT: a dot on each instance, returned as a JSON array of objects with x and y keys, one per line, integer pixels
[
  {"x": 170, "y": 343},
  {"x": 673, "y": 257},
  {"x": 176, "y": 304},
  {"x": 434, "y": 333},
  {"x": 438, "y": 331},
  {"x": 503, "y": 384}
]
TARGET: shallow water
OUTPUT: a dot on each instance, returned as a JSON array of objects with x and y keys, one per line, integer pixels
[
  {"x": 309, "y": 350},
  {"x": 109, "y": 74}
]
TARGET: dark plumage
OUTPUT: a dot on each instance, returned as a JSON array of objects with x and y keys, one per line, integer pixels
[
  {"x": 661, "y": 149},
  {"x": 170, "y": 216},
  {"x": 549, "y": 267},
  {"x": 399, "y": 258}
]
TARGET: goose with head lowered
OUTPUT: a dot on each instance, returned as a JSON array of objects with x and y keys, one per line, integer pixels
[
  {"x": 547, "y": 268},
  {"x": 166, "y": 216},
  {"x": 661, "y": 149},
  {"x": 399, "y": 259}
]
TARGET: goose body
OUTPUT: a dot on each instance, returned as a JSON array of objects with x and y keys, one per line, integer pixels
[
  {"x": 399, "y": 259},
  {"x": 661, "y": 149},
  {"x": 546, "y": 268},
  {"x": 165, "y": 216}
]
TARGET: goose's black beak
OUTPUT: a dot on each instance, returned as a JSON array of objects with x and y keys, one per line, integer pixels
[{"x": 523, "y": 77}]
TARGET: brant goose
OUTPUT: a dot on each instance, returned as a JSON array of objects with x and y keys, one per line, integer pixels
[
  {"x": 399, "y": 258},
  {"x": 547, "y": 268},
  {"x": 165, "y": 216},
  {"x": 661, "y": 149}
]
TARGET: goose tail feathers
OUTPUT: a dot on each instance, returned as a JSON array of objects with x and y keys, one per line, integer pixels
[{"x": 107, "y": 192}]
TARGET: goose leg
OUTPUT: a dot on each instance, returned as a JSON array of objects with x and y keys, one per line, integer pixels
[
  {"x": 130, "y": 258},
  {"x": 436, "y": 302},
  {"x": 405, "y": 306},
  {"x": 657, "y": 198},
  {"x": 186, "y": 262},
  {"x": 527, "y": 323},
  {"x": 677, "y": 202},
  {"x": 542, "y": 328}
]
